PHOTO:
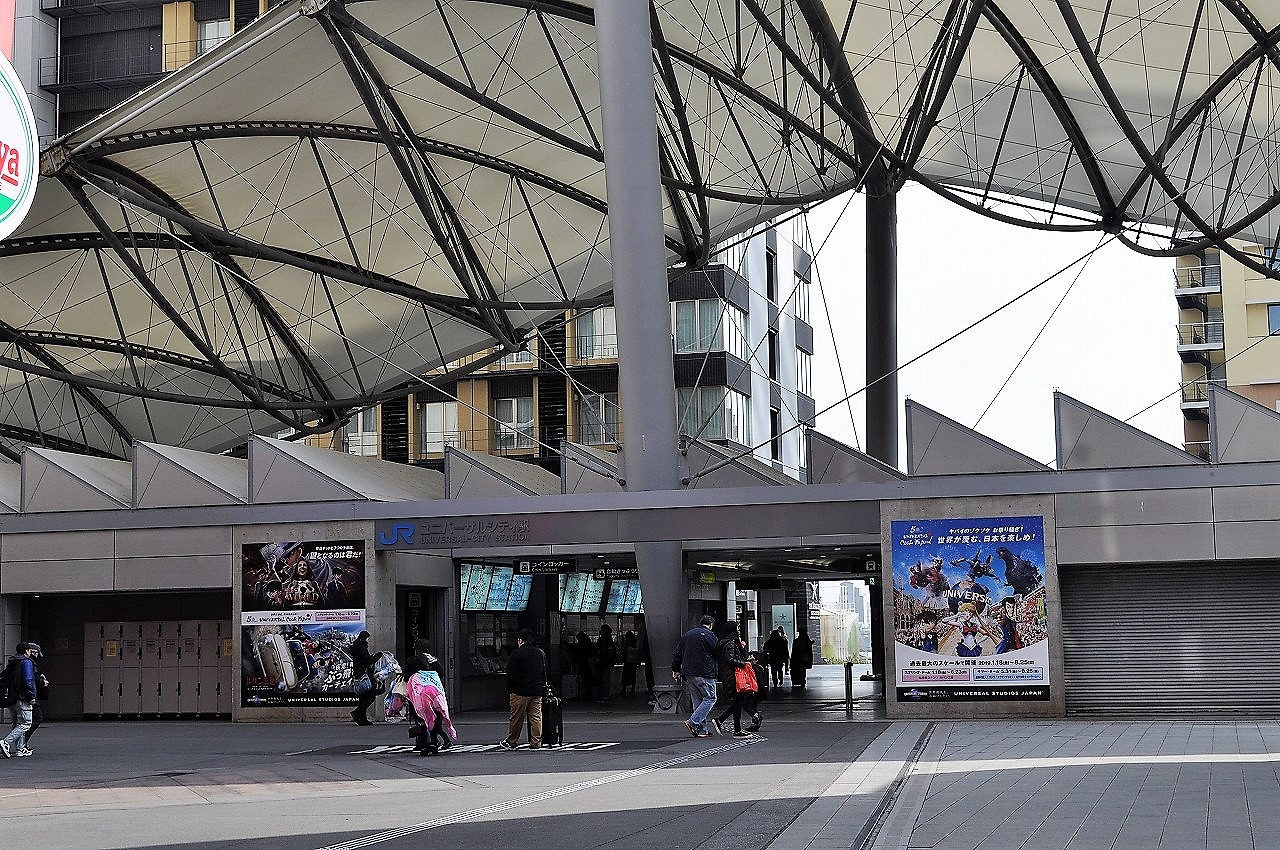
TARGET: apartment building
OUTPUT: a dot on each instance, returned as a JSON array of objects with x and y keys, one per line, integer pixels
[
  {"x": 1228, "y": 335},
  {"x": 742, "y": 345}
]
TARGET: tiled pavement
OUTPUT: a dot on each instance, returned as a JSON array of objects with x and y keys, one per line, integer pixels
[{"x": 816, "y": 780}]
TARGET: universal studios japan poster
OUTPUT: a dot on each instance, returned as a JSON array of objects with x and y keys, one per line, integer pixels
[
  {"x": 303, "y": 604},
  {"x": 969, "y": 609}
]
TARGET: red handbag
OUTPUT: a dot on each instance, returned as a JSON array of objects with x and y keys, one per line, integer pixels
[{"x": 744, "y": 680}]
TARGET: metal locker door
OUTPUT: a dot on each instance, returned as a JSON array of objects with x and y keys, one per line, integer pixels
[
  {"x": 112, "y": 651},
  {"x": 205, "y": 686},
  {"x": 150, "y": 675},
  {"x": 131, "y": 701},
  {"x": 169, "y": 675},
  {"x": 228, "y": 667},
  {"x": 92, "y": 669},
  {"x": 189, "y": 668}
]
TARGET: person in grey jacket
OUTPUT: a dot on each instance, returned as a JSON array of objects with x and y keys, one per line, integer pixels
[{"x": 694, "y": 661}]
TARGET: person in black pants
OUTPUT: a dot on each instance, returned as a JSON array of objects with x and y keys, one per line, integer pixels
[
  {"x": 361, "y": 661},
  {"x": 729, "y": 657},
  {"x": 428, "y": 741}
]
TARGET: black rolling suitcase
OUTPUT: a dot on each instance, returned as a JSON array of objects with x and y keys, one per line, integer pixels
[{"x": 552, "y": 720}]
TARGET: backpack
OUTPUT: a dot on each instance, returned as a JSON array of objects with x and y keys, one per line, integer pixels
[{"x": 9, "y": 686}]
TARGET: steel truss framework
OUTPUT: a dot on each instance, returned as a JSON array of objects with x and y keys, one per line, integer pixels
[{"x": 350, "y": 199}]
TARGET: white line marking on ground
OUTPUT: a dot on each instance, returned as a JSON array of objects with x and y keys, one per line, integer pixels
[{"x": 497, "y": 808}]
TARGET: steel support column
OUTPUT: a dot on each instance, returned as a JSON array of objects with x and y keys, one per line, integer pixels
[
  {"x": 882, "y": 326},
  {"x": 646, "y": 382}
]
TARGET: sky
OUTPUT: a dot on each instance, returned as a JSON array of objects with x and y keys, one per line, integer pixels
[{"x": 1110, "y": 342}]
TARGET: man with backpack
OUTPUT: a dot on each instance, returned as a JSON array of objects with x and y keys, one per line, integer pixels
[{"x": 20, "y": 676}]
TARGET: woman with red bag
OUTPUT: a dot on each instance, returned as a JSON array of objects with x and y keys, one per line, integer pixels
[{"x": 736, "y": 675}]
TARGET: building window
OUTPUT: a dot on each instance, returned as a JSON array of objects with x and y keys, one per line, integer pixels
[
  {"x": 772, "y": 341},
  {"x": 596, "y": 334},
  {"x": 710, "y": 325},
  {"x": 360, "y": 436},
  {"x": 804, "y": 372},
  {"x": 513, "y": 418},
  {"x": 1273, "y": 318},
  {"x": 714, "y": 413},
  {"x": 802, "y": 298},
  {"x": 210, "y": 34},
  {"x": 771, "y": 274},
  {"x": 438, "y": 427},
  {"x": 516, "y": 358},
  {"x": 597, "y": 420},
  {"x": 775, "y": 433}
]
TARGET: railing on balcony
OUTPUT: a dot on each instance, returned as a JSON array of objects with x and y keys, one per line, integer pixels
[
  {"x": 1201, "y": 333},
  {"x": 1195, "y": 392},
  {"x": 1199, "y": 448},
  {"x": 434, "y": 442},
  {"x": 1208, "y": 278},
  {"x": 596, "y": 346},
  {"x": 121, "y": 64}
]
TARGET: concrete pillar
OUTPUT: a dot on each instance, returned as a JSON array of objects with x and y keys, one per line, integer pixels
[
  {"x": 646, "y": 382},
  {"x": 882, "y": 326}
]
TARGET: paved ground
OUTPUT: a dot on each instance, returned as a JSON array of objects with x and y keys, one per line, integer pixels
[{"x": 815, "y": 778}]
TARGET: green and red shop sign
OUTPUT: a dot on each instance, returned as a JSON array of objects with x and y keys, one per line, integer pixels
[{"x": 19, "y": 151}]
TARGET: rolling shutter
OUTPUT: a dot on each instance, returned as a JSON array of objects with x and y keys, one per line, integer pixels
[{"x": 1166, "y": 639}]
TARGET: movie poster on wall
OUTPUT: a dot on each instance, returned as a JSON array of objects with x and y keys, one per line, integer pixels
[
  {"x": 970, "y": 621},
  {"x": 302, "y": 605}
]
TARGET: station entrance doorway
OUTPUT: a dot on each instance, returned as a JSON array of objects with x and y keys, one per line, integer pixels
[{"x": 814, "y": 613}]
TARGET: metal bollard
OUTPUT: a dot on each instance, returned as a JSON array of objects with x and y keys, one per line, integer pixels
[{"x": 848, "y": 686}]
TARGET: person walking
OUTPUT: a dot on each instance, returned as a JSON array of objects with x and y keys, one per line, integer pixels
[
  {"x": 630, "y": 661},
  {"x": 15, "y": 743},
  {"x": 777, "y": 655},
  {"x": 751, "y": 705},
  {"x": 424, "y": 684},
  {"x": 694, "y": 661},
  {"x": 729, "y": 657},
  {"x": 801, "y": 658},
  {"x": 361, "y": 662},
  {"x": 526, "y": 685},
  {"x": 605, "y": 656}
]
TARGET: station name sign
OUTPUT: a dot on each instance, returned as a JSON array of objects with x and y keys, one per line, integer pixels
[{"x": 448, "y": 533}]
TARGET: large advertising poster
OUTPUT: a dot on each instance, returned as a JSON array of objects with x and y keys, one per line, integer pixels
[
  {"x": 969, "y": 609},
  {"x": 302, "y": 606}
]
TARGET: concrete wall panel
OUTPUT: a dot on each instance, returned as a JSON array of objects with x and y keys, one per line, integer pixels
[
  {"x": 1238, "y": 504},
  {"x": 160, "y": 542},
  {"x": 57, "y": 576},
  {"x": 1134, "y": 507},
  {"x": 1136, "y": 543},
  {"x": 1247, "y": 540},
  {"x": 59, "y": 546},
  {"x": 173, "y": 572}
]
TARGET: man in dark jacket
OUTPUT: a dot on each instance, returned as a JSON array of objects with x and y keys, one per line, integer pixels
[
  {"x": 361, "y": 661},
  {"x": 14, "y": 744},
  {"x": 694, "y": 660},
  {"x": 526, "y": 684}
]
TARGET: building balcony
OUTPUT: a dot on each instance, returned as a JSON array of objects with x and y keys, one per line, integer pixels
[
  {"x": 1195, "y": 398},
  {"x": 594, "y": 347},
  {"x": 107, "y": 69},
  {"x": 1195, "y": 283},
  {"x": 1197, "y": 341},
  {"x": 68, "y": 8},
  {"x": 1199, "y": 448}
]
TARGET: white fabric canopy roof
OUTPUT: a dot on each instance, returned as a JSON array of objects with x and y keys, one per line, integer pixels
[{"x": 340, "y": 199}]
